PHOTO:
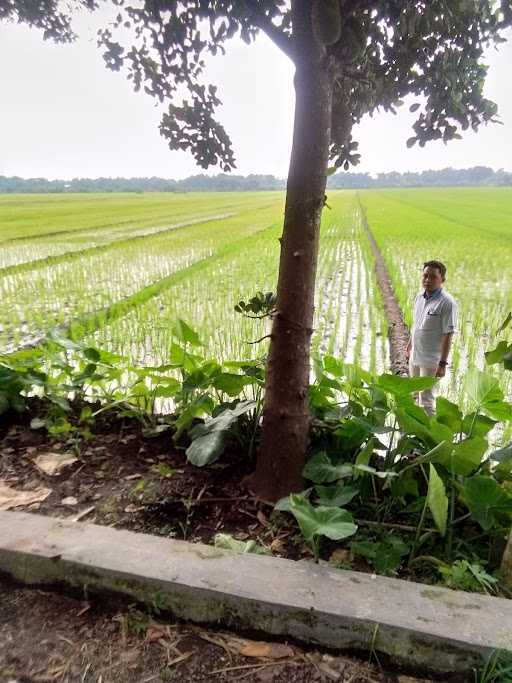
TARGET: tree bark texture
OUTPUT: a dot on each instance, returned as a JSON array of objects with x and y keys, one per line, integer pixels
[{"x": 286, "y": 417}]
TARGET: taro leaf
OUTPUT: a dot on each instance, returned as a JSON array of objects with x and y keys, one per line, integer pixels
[
  {"x": 209, "y": 439},
  {"x": 465, "y": 456},
  {"x": 485, "y": 498},
  {"x": 477, "y": 426},
  {"x": 364, "y": 456},
  {"x": 230, "y": 383},
  {"x": 201, "y": 406},
  {"x": 402, "y": 386},
  {"x": 92, "y": 354},
  {"x": 320, "y": 469},
  {"x": 167, "y": 390},
  {"x": 499, "y": 410},
  {"x": 385, "y": 556},
  {"x": 448, "y": 413},
  {"x": 336, "y": 496},
  {"x": 334, "y": 523},
  {"x": 437, "y": 500},
  {"x": 482, "y": 388},
  {"x": 227, "y": 542},
  {"x": 185, "y": 334},
  {"x": 284, "y": 505},
  {"x": 497, "y": 354},
  {"x": 351, "y": 435},
  {"x": 334, "y": 366}
]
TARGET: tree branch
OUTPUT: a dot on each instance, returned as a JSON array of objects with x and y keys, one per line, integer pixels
[{"x": 278, "y": 37}]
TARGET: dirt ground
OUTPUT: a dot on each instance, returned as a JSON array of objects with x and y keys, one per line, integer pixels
[
  {"x": 120, "y": 479},
  {"x": 52, "y": 638}
]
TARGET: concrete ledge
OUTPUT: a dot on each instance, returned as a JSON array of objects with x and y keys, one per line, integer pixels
[{"x": 422, "y": 625}]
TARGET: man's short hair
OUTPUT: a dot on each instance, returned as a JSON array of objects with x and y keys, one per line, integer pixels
[{"x": 436, "y": 264}]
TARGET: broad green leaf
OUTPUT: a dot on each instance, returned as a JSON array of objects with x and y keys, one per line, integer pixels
[
  {"x": 481, "y": 387},
  {"x": 334, "y": 523},
  {"x": 230, "y": 383},
  {"x": 448, "y": 413},
  {"x": 400, "y": 386},
  {"x": 227, "y": 542},
  {"x": 485, "y": 498},
  {"x": 499, "y": 410},
  {"x": 477, "y": 425},
  {"x": 320, "y": 469},
  {"x": 185, "y": 334},
  {"x": 209, "y": 439},
  {"x": 166, "y": 390},
  {"x": 337, "y": 495},
  {"x": 497, "y": 354},
  {"x": 333, "y": 366},
  {"x": 465, "y": 456},
  {"x": 92, "y": 354},
  {"x": 437, "y": 500},
  {"x": 203, "y": 405},
  {"x": 385, "y": 555}
]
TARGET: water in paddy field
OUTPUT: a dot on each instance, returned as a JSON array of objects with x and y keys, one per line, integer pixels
[{"x": 217, "y": 251}]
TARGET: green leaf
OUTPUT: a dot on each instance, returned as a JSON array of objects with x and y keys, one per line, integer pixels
[
  {"x": 227, "y": 542},
  {"x": 504, "y": 324},
  {"x": 336, "y": 496},
  {"x": 185, "y": 334},
  {"x": 320, "y": 469},
  {"x": 499, "y": 410},
  {"x": 497, "y": 354},
  {"x": 437, "y": 500},
  {"x": 201, "y": 406},
  {"x": 209, "y": 439},
  {"x": 385, "y": 556},
  {"x": 465, "y": 456},
  {"x": 485, "y": 498},
  {"x": 477, "y": 426},
  {"x": 482, "y": 388},
  {"x": 402, "y": 386},
  {"x": 230, "y": 383},
  {"x": 334, "y": 523},
  {"x": 448, "y": 413},
  {"x": 92, "y": 354}
]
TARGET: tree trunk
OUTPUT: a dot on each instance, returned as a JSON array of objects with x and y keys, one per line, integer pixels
[
  {"x": 506, "y": 563},
  {"x": 286, "y": 417}
]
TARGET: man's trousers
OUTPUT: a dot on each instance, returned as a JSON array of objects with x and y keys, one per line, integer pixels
[{"x": 426, "y": 398}]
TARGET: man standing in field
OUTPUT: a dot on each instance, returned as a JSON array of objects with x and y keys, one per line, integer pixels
[{"x": 435, "y": 319}]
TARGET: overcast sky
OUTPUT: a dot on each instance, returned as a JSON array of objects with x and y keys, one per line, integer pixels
[{"x": 63, "y": 115}]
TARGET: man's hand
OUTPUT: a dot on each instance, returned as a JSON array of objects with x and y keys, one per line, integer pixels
[{"x": 441, "y": 371}]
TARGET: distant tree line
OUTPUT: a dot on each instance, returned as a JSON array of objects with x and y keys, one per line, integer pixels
[{"x": 224, "y": 182}]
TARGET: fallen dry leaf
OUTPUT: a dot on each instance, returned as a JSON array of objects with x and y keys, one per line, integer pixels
[
  {"x": 11, "y": 498},
  {"x": 53, "y": 463},
  {"x": 260, "y": 649}
]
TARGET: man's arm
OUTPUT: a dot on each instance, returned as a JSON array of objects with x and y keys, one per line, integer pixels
[{"x": 446, "y": 344}]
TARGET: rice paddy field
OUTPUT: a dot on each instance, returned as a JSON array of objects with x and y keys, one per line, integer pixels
[{"x": 117, "y": 270}]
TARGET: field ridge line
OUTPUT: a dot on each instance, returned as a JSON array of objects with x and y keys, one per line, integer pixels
[
  {"x": 398, "y": 332},
  {"x": 27, "y": 266}
]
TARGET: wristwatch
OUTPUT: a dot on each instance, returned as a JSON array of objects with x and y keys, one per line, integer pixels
[{"x": 443, "y": 363}]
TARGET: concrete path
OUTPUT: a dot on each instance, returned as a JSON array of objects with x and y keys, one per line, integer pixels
[{"x": 418, "y": 624}]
